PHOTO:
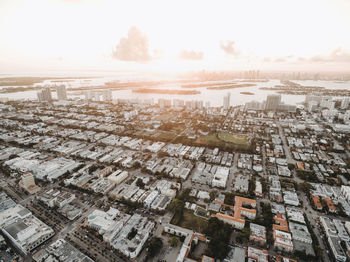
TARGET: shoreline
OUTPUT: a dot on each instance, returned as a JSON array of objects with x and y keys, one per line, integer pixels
[{"x": 166, "y": 91}]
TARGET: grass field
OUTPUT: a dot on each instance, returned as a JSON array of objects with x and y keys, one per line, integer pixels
[
  {"x": 163, "y": 117},
  {"x": 233, "y": 138},
  {"x": 224, "y": 140},
  {"x": 209, "y": 139},
  {"x": 193, "y": 222},
  {"x": 167, "y": 136},
  {"x": 166, "y": 117}
]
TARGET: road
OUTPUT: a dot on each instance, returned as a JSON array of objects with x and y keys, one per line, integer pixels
[
  {"x": 233, "y": 170},
  {"x": 313, "y": 217},
  {"x": 289, "y": 157}
]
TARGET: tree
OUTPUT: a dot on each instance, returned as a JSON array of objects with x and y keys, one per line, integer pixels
[
  {"x": 173, "y": 241},
  {"x": 243, "y": 235},
  {"x": 154, "y": 245},
  {"x": 12, "y": 156},
  {"x": 177, "y": 206},
  {"x": 132, "y": 233},
  {"x": 263, "y": 184},
  {"x": 185, "y": 195},
  {"x": 140, "y": 183},
  {"x": 136, "y": 164},
  {"x": 229, "y": 198},
  {"x": 213, "y": 195},
  {"x": 162, "y": 154},
  {"x": 92, "y": 169},
  {"x": 267, "y": 215},
  {"x": 305, "y": 187},
  {"x": 220, "y": 234},
  {"x": 291, "y": 166},
  {"x": 251, "y": 186}
]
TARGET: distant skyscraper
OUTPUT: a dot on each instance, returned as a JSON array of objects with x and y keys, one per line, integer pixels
[
  {"x": 28, "y": 180},
  {"x": 199, "y": 104},
  {"x": 28, "y": 183},
  {"x": 312, "y": 106},
  {"x": 188, "y": 104},
  {"x": 96, "y": 96},
  {"x": 87, "y": 95},
  {"x": 226, "y": 103},
  {"x": 345, "y": 103},
  {"x": 61, "y": 93},
  {"x": 253, "y": 105},
  {"x": 327, "y": 101},
  {"x": 193, "y": 104},
  {"x": 44, "y": 95},
  {"x": 164, "y": 102},
  {"x": 272, "y": 102},
  {"x": 40, "y": 96},
  {"x": 107, "y": 95},
  {"x": 178, "y": 103},
  {"x": 47, "y": 94},
  {"x": 313, "y": 97},
  {"x": 347, "y": 117}
]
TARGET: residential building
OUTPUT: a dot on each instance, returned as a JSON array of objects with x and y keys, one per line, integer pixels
[
  {"x": 61, "y": 93},
  {"x": 226, "y": 103},
  {"x": 272, "y": 102}
]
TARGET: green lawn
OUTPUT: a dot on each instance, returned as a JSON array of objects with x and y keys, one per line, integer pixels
[
  {"x": 167, "y": 136},
  {"x": 233, "y": 138},
  {"x": 209, "y": 139},
  {"x": 224, "y": 140},
  {"x": 190, "y": 221}
]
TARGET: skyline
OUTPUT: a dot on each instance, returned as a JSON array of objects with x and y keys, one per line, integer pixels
[{"x": 166, "y": 37}]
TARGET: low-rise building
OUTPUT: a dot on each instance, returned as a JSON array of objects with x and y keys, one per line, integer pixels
[
  {"x": 300, "y": 232},
  {"x": 60, "y": 251},
  {"x": 23, "y": 229},
  {"x": 337, "y": 250},
  {"x": 283, "y": 240},
  {"x": 118, "y": 176},
  {"x": 190, "y": 236},
  {"x": 328, "y": 226},
  {"x": 259, "y": 255},
  {"x": 237, "y": 220},
  {"x": 290, "y": 198},
  {"x": 28, "y": 183},
  {"x": 257, "y": 233}
]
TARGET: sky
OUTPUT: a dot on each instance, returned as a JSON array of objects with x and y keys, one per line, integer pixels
[{"x": 174, "y": 36}]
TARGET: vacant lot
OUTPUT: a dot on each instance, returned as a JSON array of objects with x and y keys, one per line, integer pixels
[
  {"x": 224, "y": 140},
  {"x": 190, "y": 221},
  {"x": 233, "y": 138},
  {"x": 166, "y": 136}
]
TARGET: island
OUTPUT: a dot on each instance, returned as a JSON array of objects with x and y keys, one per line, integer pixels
[
  {"x": 206, "y": 84},
  {"x": 166, "y": 91},
  {"x": 229, "y": 86},
  {"x": 292, "y": 88},
  {"x": 246, "y": 93}
]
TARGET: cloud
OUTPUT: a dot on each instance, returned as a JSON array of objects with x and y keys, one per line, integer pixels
[
  {"x": 280, "y": 60},
  {"x": 283, "y": 59},
  {"x": 191, "y": 55},
  {"x": 317, "y": 58},
  {"x": 338, "y": 55},
  {"x": 228, "y": 47},
  {"x": 157, "y": 54},
  {"x": 72, "y": 1},
  {"x": 133, "y": 48}
]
